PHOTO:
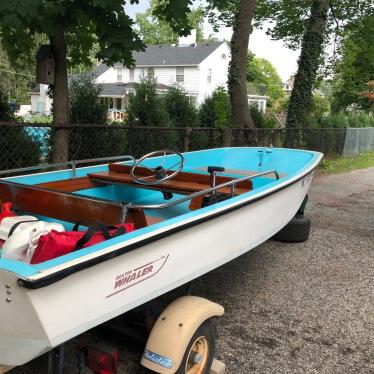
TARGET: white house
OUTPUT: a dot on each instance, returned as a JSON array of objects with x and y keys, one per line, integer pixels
[
  {"x": 258, "y": 101},
  {"x": 198, "y": 68}
]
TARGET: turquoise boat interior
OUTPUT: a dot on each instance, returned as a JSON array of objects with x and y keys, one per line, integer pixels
[{"x": 153, "y": 194}]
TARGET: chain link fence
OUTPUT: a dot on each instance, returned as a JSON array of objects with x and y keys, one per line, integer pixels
[
  {"x": 358, "y": 140},
  {"x": 31, "y": 144}
]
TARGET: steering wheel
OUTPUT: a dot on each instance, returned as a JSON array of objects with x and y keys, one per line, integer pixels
[{"x": 158, "y": 174}]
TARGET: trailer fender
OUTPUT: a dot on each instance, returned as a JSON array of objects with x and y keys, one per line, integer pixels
[{"x": 173, "y": 331}]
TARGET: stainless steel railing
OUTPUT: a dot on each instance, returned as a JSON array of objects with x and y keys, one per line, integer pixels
[
  {"x": 73, "y": 164},
  {"x": 183, "y": 199}
]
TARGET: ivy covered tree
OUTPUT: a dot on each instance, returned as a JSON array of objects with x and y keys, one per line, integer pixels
[
  {"x": 308, "y": 25},
  {"x": 301, "y": 100}
]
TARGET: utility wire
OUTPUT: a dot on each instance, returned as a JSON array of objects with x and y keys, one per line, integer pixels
[{"x": 15, "y": 73}]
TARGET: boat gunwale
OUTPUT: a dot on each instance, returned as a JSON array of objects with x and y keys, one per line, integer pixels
[{"x": 54, "y": 274}]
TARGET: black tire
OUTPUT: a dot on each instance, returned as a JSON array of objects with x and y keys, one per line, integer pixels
[
  {"x": 207, "y": 332},
  {"x": 296, "y": 231}
]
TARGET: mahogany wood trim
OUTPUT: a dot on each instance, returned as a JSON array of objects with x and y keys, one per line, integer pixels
[
  {"x": 182, "y": 176},
  {"x": 179, "y": 187},
  {"x": 60, "y": 205},
  {"x": 70, "y": 185}
]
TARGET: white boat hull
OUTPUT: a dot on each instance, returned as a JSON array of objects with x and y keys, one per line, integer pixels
[{"x": 36, "y": 320}]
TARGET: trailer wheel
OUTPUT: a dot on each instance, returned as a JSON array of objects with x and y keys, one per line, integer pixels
[
  {"x": 296, "y": 231},
  {"x": 199, "y": 354}
]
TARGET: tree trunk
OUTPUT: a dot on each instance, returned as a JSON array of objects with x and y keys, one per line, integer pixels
[
  {"x": 301, "y": 100},
  {"x": 237, "y": 82},
  {"x": 60, "y": 99}
]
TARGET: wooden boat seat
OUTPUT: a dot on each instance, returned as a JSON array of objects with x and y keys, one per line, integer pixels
[{"x": 184, "y": 183}]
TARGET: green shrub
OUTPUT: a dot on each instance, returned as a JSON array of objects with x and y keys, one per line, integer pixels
[
  {"x": 19, "y": 145},
  {"x": 257, "y": 116},
  {"x": 147, "y": 109},
  {"x": 342, "y": 120},
  {"x": 85, "y": 108},
  {"x": 214, "y": 115},
  {"x": 6, "y": 113},
  {"x": 215, "y": 110},
  {"x": 179, "y": 108}
]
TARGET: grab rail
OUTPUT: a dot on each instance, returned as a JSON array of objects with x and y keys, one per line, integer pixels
[
  {"x": 231, "y": 183},
  {"x": 72, "y": 163}
]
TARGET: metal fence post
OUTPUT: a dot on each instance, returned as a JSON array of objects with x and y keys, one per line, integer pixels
[
  {"x": 227, "y": 137},
  {"x": 186, "y": 142},
  {"x": 276, "y": 137}
]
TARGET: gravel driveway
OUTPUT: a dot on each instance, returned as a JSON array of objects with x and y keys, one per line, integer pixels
[{"x": 297, "y": 308}]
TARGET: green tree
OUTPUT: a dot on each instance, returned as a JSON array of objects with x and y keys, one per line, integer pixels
[
  {"x": 325, "y": 18},
  {"x": 6, "y": 113},
  {"x": 214, "y": 115},
  {"x": 15, "y": 80},
  {"x": 179, "y": 108},
  {"x": 147, "y": 109},
  {"x": 215, "y": 110},
  {"x": 77, "y": 26},
  {"x": 356, "y": 67},
  {"x": 155, "y": 30},
  {"x": 20, "y": 147},
  {"x": 263, "y": 77},
  {"x": 86, "y": 108}
]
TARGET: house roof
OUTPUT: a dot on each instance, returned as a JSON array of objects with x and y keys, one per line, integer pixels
[
  {"x": 169, "y": 55},
  {"x": 119, "y": 89},
  {"x": 111, "y": 89}
]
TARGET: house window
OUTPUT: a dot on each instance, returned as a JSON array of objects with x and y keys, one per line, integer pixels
[
  {"x": 131, "y": 75},
  {"x": 118, "y": 103},
  {"x": 119, "y": 74},
  {"x": 151, "y": 73},
  {"x": 180, "y": 74},
  {"x": 209, "y": 77}
]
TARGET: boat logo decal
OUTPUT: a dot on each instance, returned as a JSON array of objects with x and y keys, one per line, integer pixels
[
  {"x": 139, "y": 274},
  {"x": 158, "y": 359}
]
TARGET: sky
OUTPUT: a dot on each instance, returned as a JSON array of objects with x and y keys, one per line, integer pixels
[{"x": 284, "y": 59}]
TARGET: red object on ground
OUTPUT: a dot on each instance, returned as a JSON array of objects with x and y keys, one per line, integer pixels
[
  {"x": 6, "y": 210},
  {"x": 56, "y": 244},
  {"x": 101, "y": 360}
]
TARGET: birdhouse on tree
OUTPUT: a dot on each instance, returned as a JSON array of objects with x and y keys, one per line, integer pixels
[{"x": 45, "y": 65}]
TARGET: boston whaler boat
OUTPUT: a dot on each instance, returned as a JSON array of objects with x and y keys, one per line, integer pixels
[{"x": 190, "y": 213}]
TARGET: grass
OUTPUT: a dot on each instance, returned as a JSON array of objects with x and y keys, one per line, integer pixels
[{"x": 344, "y": 164}]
